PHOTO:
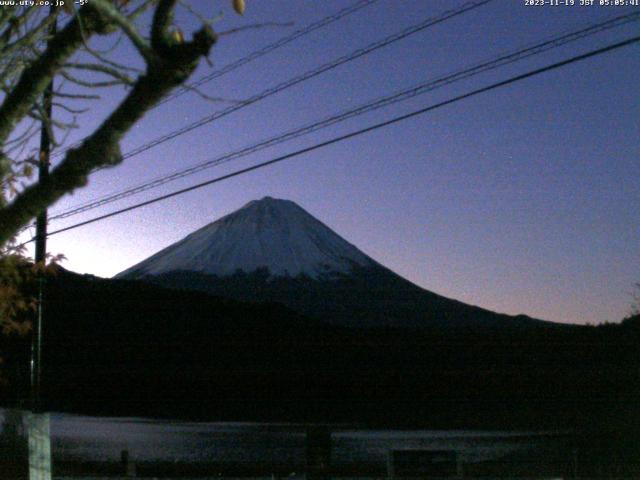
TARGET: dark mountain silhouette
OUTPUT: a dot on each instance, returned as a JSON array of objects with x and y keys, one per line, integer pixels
[
  {"x": 128, "y": 348},
  {"x": 272, "y": 250}
]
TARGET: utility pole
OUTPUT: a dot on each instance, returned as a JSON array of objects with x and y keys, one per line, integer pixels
[
  {"x": 38, "y": 423},
  {"x": 41, "y": 234}
]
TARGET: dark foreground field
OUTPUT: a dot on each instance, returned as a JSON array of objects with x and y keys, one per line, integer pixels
[
  {"x": 125, "y": 348},
  {"x": 85, "y": 447}
]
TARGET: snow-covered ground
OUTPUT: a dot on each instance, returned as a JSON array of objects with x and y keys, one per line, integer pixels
[{"x": 94, "y": 439}]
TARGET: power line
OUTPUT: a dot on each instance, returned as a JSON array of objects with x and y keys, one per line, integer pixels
[
  {"x": 402, "y": 95},
  {"x": 356, "y": 133},
  {"x": 271, "y": 47},
  {"x": 448, "y": 14},
  {"x": 384, "y": 101},
  {"x": 254, "y": 56},
  {"x": 308, "y": 75}
]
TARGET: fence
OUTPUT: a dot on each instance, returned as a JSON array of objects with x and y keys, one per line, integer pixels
[{"x": 91, "y": 447}]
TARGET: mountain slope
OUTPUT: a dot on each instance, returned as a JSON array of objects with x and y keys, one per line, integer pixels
[
  {"x": 273, "y": 250},
  {"x": 370, "y": 297},
  {"x": 267, "y": 233}
]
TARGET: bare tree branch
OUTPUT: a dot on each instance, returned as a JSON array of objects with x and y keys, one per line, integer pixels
[
  {"x": 68, "y": 109},
  {"x": 254, "y": 26},
  {"x": 37, "y": 76},
  {"x": 108, "y": 9},
  {"x": 76, "y": 96},
  {"x": 28, "y": 38},
  {"x": 172, "y": 63},
  {"x": 162, "y": 20},
  {"x": 14, "y": 25},
  {"x": 209, "y": 98},
  {"x": 92, "y": 83},
  {"x": 100, "y": 68}
]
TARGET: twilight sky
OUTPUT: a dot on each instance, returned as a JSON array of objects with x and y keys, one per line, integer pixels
[{"x": 521, "y": 200}]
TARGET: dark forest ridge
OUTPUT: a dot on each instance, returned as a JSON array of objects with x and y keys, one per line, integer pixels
[{"x": 121, "y": 347}]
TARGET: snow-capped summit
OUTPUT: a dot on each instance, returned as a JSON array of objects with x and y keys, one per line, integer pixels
[
  {"x": 272, "y": 233},
  {"x": 312, "y": 270}
]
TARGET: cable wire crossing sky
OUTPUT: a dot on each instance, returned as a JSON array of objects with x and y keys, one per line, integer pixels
[
  {"x": 378, "y": 103},
  {"x": 485, "y": 151}
]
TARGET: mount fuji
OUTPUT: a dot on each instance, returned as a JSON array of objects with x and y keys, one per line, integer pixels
[
  {"x": 270, "y": 233},
  {"x": 272, "y": 250}
]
